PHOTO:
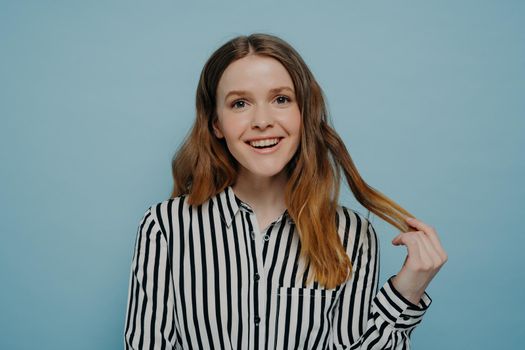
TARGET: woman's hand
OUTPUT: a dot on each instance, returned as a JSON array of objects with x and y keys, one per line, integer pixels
[{"x": 425, "y": 257}]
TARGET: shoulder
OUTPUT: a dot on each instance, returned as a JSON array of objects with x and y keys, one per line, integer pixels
[
  {"x": 167, "y": 214},
  {"x": 353, "y": 228}
]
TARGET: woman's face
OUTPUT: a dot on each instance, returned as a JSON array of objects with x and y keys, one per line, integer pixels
[{"x": 256, "y": 102}]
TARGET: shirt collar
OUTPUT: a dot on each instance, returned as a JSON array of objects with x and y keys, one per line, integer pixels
[
  {"x": 226, "y": 203},
  {"x": 229, "y": 204}
]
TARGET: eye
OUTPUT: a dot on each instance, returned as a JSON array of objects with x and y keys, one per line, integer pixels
[
  {"x": 283, "y": 98},
  {"x": 238, "y": 104}
]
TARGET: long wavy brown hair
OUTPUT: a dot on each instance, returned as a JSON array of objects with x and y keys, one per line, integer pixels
[{"x": 203, "y": 166}]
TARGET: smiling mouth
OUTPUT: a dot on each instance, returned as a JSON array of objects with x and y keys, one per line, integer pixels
[{"x": 263, "y": 146}]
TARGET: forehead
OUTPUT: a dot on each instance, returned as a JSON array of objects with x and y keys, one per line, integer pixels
[{"x": 252, "y": 73}]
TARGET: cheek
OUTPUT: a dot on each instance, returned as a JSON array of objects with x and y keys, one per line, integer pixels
[
  {"x": 233, "y": 128},
  {"x": 290, "y": 120},
  {"x": 295, "y": 123}
]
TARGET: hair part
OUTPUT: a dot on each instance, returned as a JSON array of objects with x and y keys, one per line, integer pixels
[{"x": 203, "y": 165}]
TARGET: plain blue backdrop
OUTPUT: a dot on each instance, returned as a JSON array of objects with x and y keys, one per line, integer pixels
[{"x": 96, "y": 97}]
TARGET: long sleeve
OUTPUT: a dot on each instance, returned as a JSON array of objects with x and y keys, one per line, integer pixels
[
  {"x": 150, "y": 309},
  {"x": 364, "y": 319}
]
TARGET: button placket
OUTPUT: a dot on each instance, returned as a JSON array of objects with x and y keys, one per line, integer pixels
[{"x": 259, "y": 275}]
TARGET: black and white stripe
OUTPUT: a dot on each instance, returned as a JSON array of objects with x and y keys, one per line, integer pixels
[{"x": 207, "y": 277}]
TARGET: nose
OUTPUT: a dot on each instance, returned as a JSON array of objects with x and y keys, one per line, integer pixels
[{"x": 261, "y": 119}]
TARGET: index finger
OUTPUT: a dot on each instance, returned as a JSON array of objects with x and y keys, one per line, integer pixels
[{"x": 429, "y": 231}]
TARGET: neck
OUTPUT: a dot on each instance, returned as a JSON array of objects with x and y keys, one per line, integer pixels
[{"x": 261, "y": 193}]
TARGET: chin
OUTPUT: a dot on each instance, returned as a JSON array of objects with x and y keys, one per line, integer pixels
[
  {"x": 268, "y": 173},
  {"x": 265, "y": 172}
]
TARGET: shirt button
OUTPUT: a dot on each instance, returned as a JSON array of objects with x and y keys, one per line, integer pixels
[
  {"x": 252, "y": 234},
  {"x": 266, "y": 237},
  {"x": 257, "y": 320},
  {"x": 257, "y": 276}
]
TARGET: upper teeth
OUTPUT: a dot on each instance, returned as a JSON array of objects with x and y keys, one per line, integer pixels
[{"x": 266, "y": 142}]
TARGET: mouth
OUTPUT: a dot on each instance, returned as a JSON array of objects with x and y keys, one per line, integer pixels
[{"x": 268, "y": 144}]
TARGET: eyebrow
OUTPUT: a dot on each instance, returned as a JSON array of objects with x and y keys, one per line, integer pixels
[{"x": 272, "y": 91}]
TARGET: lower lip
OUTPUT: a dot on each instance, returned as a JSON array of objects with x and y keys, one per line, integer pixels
[{"x": 267, "y": 150}]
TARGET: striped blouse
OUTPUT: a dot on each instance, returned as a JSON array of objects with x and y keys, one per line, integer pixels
[{"x": 207, "y": 277}]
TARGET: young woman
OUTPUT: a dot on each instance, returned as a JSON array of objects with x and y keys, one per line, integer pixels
[{"x": 252, "y": 250}]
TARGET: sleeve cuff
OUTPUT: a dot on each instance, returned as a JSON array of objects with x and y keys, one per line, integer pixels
[{"x": 397, "y": 310}]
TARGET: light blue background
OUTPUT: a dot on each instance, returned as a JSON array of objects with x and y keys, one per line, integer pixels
[{"x": 96, "y": 96}]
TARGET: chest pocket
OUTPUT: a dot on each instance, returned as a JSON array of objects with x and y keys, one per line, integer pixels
[{"x": 304, "y": 317}]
